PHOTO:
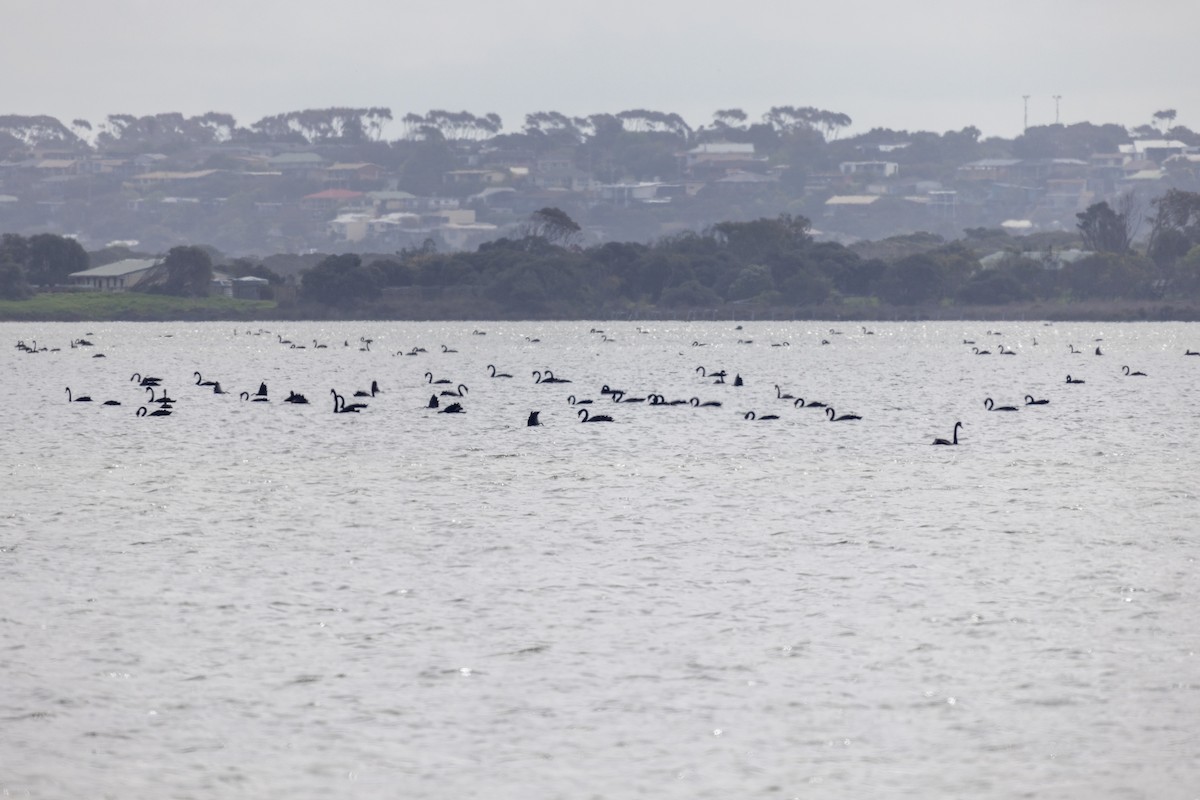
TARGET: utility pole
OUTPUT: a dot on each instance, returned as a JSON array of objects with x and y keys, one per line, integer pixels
[
  {"x": 1057, "y": 97},
  {"x": 1025, "y": 97}
]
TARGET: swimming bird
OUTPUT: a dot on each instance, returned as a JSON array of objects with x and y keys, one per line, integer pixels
[
  {"x": 799, "y": 403},
  {"x": 549, "y": 378},
  {"x": 319, "y": 346},
  {"x": 619, "y": 397},
  {"x": 1074, "y": 380},
  {"x": 254, "y": 398},
  {"x": 532, "y": 422},
  {"x": 606, "y": 390},
  {"x": 81, "y": 399},
  {"x": 448, "y": 350},
  {"x": 1029, "y": 401},
  {"x": 779, "y": 395},
  {"x": 571, "y": 399},
  {"x": 262, "y": 390},
  {"x": 1006, "y": 352},
  {"x": 1098, "y": 351},
  {"x": 158, "y": 412},
  {"x": 453, "y": 408},
  {"x": 433, "y": 402},
  {"x": 979, "y": 352},
  {"x": 586, "y": 417},
  {"x": 990, "y": 405},
  {"x": 374, "y": 390},
  {"x": 147, "y": 381},
  {"x": 298, "y": 399},
  {"x": 164, "y": 399},
  {"x": 201, "y": 382},
  {"x": 217, "y": 388},
  {"x": 494, "y": 374},
  {"x": 751, "y": 416},
  {"x": 1191, "y": 353},
  {"x": 833, "y": 417},
  {"x": 695, "y": 401},
  {"x": 1133, "y": 374},
  {"x": 957, "y": 425},
  {"x": 339, "y": 404},
  {"x": 459, "y": 391},
  {"x": 282, "y": 340},
  {"x": 429, "y": 379},
  {"x": 737, "y": 380}
]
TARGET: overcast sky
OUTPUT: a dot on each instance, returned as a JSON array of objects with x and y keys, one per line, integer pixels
[{"x": 933, "y": 65}]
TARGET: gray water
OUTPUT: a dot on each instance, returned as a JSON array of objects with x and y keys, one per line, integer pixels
[{"x": 266, "y": 600}]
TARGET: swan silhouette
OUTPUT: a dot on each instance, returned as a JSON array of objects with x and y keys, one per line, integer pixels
[
  {"x": 448, "y": 350},
  {"x": 695, "y": 401},
  {"x": 737, "y": 380},
  {"x": 147, "y": 381},
  {"x": 833, "y": 417},
  {"x": 81, "y": 399},
  {"x": 549, "y": 378},
  {"x": 533, "y": 421},
  {"x": 453, "y": 408},
  {"x": 1191, "y": 353},
  {"x": 298, "y": 399},
  {"x": 1133, "y": 374},
  {"x": 494, "y": 374},
  {"x": 586, "y": 417},
  {"x": 752, "y": 416},
  {"x": 779, "y": 395},
  {"x": 217, "y": 388},
  {"x": 990, "y": 405},
  {"x": 201, "y": 382},
  {"x": 619, "y": 397},
  {"x": 946, "y": 441},
  {"x": 1029, "y": 401},
  {"x": 374, "y": 390},
  {"x": 1074, "y": 380},
  {"x": 158, "y": 412},
  {"x": 799, "y": 403},
  {"x": 459, "y": 391},
  {"x": 429, "y": 379},
  {"x": 571, "y": 399},
  {"x": 433, "y": 401},
  {"x": 340, "y": 406},
  {"x": 979, "y": 352},
  {"x": 163, "y": 399}
]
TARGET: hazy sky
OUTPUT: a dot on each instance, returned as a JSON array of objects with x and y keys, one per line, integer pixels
[{"x": 933, "y": 65}]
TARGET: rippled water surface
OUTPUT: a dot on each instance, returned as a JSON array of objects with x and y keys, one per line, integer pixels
[{"x": 270, "y": 600}]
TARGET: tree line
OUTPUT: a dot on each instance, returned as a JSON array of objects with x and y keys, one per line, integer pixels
[{"x": 542, "y": 271}]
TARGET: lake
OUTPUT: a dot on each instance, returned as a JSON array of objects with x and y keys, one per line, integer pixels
[{"x": 262, "y": 599}]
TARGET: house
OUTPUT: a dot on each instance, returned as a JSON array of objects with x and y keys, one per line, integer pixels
[
  {"x": 385, "y": 202},
  {"x": 988, "y": 169},
  {"x": 869, "y": 169},
  {"x": 251, "y": 288},
  {"x": 474, "y": 177},
  {"x": 118, "y": 276},
  {"x": 346, "y": 174},
  {"x": 331, "y": 199},
  {"x": 720, "y": 153}
]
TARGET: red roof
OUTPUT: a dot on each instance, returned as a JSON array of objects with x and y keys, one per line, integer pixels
[{"x": 334, "y": 194}]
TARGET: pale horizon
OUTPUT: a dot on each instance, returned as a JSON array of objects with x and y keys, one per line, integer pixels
[{"x": 944, "y": 68}]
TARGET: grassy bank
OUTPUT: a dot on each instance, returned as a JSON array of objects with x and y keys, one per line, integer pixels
[{"x": 130, "y": 307}]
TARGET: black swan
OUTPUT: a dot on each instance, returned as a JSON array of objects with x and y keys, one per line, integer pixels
[
  {"x": 374, "y": 389},
  {"x": 494, "y": 374},
  {"x": 799, "y": 403},
  {"x": 1074, "y": 380},
  {"x": 695, "y": 401},
  {"x": 1029, "y": 401},
  {"x": 549, "y": 378},
  {"x": 979, "y": 352},
  {"x": 459, "y": 391},
  {"x": 163, "y": 399},
  {"x": 957, "y": 425},
  {"x": 160, "y": 412},
  {"x": 833, "y": 417},
  {"x": 571, "y": 399},
  {"x": 433, "y": 401},
  {"x": 1133, "y": 374},
  {"x": 752, "y": 416},
  {"x": 201, "y": 382},
  {"x": 298, "y": 399},
  {"x": 81, "y": 399},
  {"x": 453, "y": 408},
  {"x": 586, "y": 417},
  {"x": 448, "y": 350},
  {"x": 781, "y": 396},
  {"x": 990, "y": 405},
  {"x": 533, "y": 421},
  {"x": 619, "y": 397},
  {"x": 429, "y": 379}
]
